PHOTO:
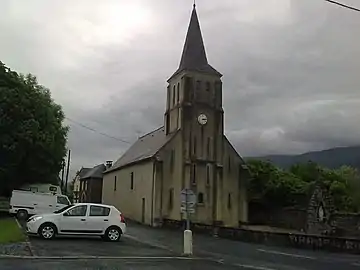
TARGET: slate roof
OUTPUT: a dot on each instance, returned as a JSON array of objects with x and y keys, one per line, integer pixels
[
  {"x": 95, "y": 172},
  {"x": 194, "y": 56},
  {"x": 145, "y": 147},
  {"x": 83, "y": 171}
]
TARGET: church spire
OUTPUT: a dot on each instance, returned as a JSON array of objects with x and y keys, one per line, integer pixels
[{"x": 194, "y": 56}]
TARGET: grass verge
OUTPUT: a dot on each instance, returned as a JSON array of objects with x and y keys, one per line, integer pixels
[{"x": 10, "y": 231}]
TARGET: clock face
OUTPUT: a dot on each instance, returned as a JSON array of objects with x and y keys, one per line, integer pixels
[{"x": 202, "y": 119}]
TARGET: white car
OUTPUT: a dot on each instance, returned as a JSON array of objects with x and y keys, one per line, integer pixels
[{"x": 79, "y": 219}]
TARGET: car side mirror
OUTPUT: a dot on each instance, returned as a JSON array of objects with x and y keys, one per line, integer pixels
[{"x": 66, "y": 214}]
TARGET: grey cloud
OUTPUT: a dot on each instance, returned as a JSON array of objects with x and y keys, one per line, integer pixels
[{"x": 290, "y": 69}]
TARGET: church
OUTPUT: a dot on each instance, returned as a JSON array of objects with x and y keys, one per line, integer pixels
[{"x": 189, "y": 151}]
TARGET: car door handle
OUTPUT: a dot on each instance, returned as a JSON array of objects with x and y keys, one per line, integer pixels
[
  {"x": 83, "y": 219},
  {"x": 106, "y": 220}
]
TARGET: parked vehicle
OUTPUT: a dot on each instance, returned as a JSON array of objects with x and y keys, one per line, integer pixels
[
  {"x": 80, "y": 219},
  {"x": 42, "y": 188},
  {"x": 27, "y": 203}
]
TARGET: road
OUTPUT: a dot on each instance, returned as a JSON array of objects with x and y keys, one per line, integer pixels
[
  {"x": 148, "y": 248},
  {"x": 250, "y": 256}
]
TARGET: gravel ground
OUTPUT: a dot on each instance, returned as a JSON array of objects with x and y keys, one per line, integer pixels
[{"x": 20, "y": 249}]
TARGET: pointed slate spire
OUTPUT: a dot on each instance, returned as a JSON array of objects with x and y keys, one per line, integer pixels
[{"x": 194, "y": 56}]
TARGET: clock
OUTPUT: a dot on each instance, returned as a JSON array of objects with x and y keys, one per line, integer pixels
[{"x": 202, "y": 119}]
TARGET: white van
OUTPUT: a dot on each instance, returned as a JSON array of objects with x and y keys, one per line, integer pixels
[
  {"x": 27, "y": 203},
  {"x": 43, "y": 188}
]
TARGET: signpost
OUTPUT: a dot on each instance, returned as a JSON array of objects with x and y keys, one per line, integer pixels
[{"x": 188, "y": 203}]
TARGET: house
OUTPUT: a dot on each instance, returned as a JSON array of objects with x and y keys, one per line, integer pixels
[
  {"x": 189, "y": 151},
  {"x": 76, "y": 183},
  {"x": 91, "y": 183}
]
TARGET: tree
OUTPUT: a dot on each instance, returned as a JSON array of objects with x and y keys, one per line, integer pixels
[
  {"x": 274, "y": 187},
  {"x": 32, "y": 135}
]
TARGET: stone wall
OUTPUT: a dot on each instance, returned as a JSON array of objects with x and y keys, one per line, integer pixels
[
  {"x": 288, "y": 218},
  {"x": 347, "y": 225},
  {"x": 298, "y": 240}
]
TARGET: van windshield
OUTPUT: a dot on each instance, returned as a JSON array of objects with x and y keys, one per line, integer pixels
[{"x": 62, "y": 209}]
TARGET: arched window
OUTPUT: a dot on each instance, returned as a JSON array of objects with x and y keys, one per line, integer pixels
[
  {"x": 208, "y": 174},
  {"x": 178, "y": 93},
  {"x": 173, "y": 95}
]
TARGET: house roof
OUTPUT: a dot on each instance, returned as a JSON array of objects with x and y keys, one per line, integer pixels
[
  {"x": 194, "y": 56},
  {"x": 145, "y": 147},
  {"x": 95, "y": 172},
  {"x": 83, "y": 171}
]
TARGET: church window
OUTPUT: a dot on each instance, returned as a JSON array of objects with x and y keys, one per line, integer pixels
[
  {"x": 178, "y": 93},
  {"x": 207, "y": 86},
  {"x": 168, "y": 97},
  {"x": 208, "y": 148},
  {"x": 173, "y": 95},
  {"x": 132, "y": 181},
  {"x": 193, "y": 180},
  {"x": 198, "y": 85},
  {"x": 115, "y": 182},
  {"x": 200, "y": 199},
  {"x": 229, "y": 164},
  {"x": 171, "y": 198},
  {"x": 229, "y": 201},
  {"x": 208, "y": 174},
  {"x": 172, "y": 160},
  {"x": 195, "y": 145}
]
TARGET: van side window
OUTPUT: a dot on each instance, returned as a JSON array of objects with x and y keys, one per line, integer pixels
[
  {"x": 62, "y": 200},
  {"x": 99, "y": 211}
]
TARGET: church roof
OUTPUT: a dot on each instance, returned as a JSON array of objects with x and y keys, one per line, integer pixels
[
  {"x": 193, "y": 57},
  {"x": 145, "y": 147}
]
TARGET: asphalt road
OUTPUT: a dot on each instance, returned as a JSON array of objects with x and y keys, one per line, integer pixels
[
  {"x": 248, "y": 255},
  {"x": 148, "y": 248},
  {"x": 138, "y": 264}
]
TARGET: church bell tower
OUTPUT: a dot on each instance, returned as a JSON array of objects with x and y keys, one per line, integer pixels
[{"x": 194, "y": 108}]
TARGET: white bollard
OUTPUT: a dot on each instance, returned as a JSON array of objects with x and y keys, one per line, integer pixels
[{"x": 188, "y": 245}]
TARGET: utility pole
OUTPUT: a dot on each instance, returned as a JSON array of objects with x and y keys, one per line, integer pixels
[
  {"x": 62, "y": 175},
  {"x": 67, "y": 172}
]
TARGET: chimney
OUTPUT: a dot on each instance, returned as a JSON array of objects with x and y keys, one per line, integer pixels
[{"x": 108, "y": 164}]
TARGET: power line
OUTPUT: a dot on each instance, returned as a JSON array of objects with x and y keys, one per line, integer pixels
[
  {"x": 343, "y": 5},
  {"x": 96, "y": 131}
]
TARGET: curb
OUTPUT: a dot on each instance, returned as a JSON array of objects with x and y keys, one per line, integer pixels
[{"x": 27, "y": 238}]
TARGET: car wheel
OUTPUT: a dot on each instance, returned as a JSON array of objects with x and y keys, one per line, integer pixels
[
  {"x": 47, "y": 231},
  {"x": 113, "y": 234},
  {"x": 22, "y": 215}
]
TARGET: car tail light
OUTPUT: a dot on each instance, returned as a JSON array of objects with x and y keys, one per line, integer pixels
[{"x": 122, "y": 219}]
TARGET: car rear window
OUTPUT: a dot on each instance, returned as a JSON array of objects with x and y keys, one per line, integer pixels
[{"x": 99, "y": 211}]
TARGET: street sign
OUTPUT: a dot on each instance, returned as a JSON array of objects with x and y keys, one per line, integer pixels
[{"x": 188, "y": 201}]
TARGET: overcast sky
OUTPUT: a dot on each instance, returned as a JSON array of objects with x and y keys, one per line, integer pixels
[{"x": 291, "y": 68}]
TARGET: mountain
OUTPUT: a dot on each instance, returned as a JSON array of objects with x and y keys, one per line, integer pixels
[{"x": 331, "y": 158}]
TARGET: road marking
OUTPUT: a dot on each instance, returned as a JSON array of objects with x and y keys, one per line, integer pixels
[
  {"x": 253, "y": 267},
  {"x": 98, "y": 257},
  {"x": 147, "y": 243},
  {"x": 286, "y": 254}
]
